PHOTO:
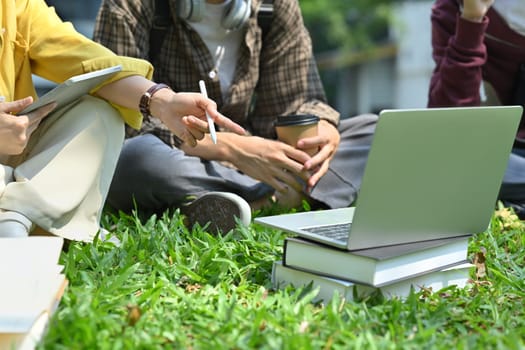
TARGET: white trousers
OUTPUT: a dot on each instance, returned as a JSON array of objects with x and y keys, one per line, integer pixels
[{"x": 60, "y": 182}]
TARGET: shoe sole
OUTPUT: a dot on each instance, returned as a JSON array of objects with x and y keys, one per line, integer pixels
[{"x": 219, "y": 211}]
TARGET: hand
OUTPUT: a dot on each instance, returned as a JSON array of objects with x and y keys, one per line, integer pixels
[
  {"x": 327, "y": 140},
  {"x": 185, "y": 115},
  {"x": 269, "y": 161},
  {"x": 475, "y": 10},
  {"x": 15, "y": 130}
]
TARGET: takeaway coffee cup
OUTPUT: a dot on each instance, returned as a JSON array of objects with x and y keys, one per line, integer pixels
[{"x": 292, "y": 128}]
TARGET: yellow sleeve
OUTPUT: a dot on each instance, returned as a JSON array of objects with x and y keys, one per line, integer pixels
[{"x": 54, "y": 50}]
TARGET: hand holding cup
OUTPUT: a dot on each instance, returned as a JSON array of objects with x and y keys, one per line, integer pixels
[{"x": 292, "y": 128}]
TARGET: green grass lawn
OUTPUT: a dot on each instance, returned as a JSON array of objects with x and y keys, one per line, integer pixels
[{"x": 168, "y": 288}]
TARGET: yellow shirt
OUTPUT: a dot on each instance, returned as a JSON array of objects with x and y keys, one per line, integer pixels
[{"x": 33, "y": 40}]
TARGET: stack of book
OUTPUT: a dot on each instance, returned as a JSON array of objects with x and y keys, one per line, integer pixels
[
  {"x": 32, "y": 286},
  {"x": 392, "y": 270}
]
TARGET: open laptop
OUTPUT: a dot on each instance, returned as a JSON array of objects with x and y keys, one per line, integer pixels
[
  {"x": 431, "y": 174},
  {"x": 73, "y": 88}
]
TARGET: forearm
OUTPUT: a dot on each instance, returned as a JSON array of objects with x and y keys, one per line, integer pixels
[
  {"x": 224, "y": 150},
  {"x": 459, "y": 56},
  {"x": 126, "y": 92}
]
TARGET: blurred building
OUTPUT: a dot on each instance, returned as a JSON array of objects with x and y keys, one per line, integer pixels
[{"x": 393, "y": 74}]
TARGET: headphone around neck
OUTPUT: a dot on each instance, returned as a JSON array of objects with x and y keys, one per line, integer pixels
[{"x": 235, "y": 16}]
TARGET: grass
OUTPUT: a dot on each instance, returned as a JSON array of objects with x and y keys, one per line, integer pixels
[{"x": 169, "y": 288}]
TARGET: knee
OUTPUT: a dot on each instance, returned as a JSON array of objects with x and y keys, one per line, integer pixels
[
  {"x": 360, "y": 125},
  {"x": 112, "y": 124},
  {"x": 94, "y": 115},
  {"x": 149, "y": 156},
  {"x": 366, "y": 119}
]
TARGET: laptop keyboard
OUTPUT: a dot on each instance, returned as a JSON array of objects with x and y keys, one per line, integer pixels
[{"x": 335, "y": 231}]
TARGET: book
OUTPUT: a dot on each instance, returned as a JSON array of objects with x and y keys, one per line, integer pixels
[
  {"x": 282, "y": 276},
  {"x": 32, "y": 286},
  {"x": 375, "y": 266}
]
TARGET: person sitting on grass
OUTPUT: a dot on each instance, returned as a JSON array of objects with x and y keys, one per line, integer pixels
[
  {"x": 479, "y": 45},
  {"x": 56, "y": 164},
  {"x": 257, "y": 68}
]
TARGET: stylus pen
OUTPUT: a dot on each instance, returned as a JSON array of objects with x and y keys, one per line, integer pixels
[{"x": 213, "y": 134}]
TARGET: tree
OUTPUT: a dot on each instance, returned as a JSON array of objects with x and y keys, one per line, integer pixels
[
  {"x": 346, "y": 25},
  {"x": 346, "y": 33}
]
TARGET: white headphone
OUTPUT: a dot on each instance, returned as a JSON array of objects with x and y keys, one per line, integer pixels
[{"x": 235, "y": 16}]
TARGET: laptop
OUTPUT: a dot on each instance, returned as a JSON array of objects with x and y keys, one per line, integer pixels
[
  {"x": 431, "y": 174},
  {"x": 73, "y": 88}
]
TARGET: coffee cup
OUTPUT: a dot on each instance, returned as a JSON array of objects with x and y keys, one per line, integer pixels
[{"x": 292, "y": 128}]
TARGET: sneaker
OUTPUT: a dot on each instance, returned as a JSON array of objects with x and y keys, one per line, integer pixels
[
  {"x": 14, "y": 224},
  {"x": 219, "y": 209}
]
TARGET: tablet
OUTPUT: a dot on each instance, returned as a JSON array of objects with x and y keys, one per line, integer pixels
[{"x": 73, "y": 88}]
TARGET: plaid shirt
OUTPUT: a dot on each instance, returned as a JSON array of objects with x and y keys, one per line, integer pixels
[{"x": 276, "y": 77}]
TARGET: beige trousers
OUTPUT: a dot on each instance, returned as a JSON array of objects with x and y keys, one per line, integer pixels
[{"x": 61, "y": 180}]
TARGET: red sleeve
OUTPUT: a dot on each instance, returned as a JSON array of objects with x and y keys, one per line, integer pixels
[{"x": 459, "y": 53}]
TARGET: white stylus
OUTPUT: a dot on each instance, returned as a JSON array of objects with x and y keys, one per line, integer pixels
[{"x": 210, "y": 121}]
